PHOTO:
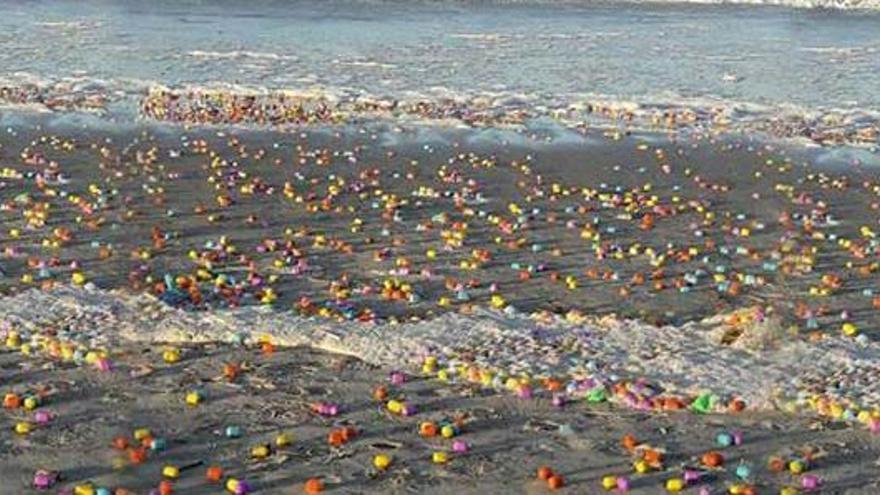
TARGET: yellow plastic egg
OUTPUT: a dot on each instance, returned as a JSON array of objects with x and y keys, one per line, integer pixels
[{"x": 382, "y": 461}]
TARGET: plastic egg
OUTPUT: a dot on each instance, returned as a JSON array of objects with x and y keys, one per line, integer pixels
[
  {"x": 382, "y": 461},
  {"x": 193, "y": 398},
  {"x": 23, "y": 427},
  {"x": 447, "y": 431},
  {"x": 260, "y": 452},
  {"x": 609, "y": 482},
  {"x": 172, "y": 472},
  {"x": 810, "y": 482},
  {"x": 674, "y": 485},
  {"x": 724, "y": 439},
  {"x": 283, "y": 440},
  {"x": 797, "y": 466}
]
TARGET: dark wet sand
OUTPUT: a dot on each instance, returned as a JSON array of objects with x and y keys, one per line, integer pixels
[
  {"x": 138, "y": 193},
  {"x": 139, "y": 196},
  {"x": 509, "y": 438}
]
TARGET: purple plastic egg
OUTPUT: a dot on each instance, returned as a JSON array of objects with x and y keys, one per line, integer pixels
[
  {"x": 42, "y": 417},
  {"x": 737, "y": 438},
  {"x": 810, "y": 482},
  {"x": 242, "y": 488},
  {"x": 397, "y": 378},
  {"x": 43, "y": 480}
]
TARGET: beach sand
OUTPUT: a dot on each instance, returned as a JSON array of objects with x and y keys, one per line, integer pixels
[
  {"x": 486, "y": 249},
  {"x": 508, "y": 438}
]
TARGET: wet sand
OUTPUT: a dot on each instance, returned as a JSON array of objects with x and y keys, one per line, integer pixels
[
  {"x": 346, "y": 211},
  {"x": 508, "y": 438},
  {"x": 737, "y": 251}
]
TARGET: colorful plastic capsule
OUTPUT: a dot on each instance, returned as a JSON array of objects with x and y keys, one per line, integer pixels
[
  {"x": 172, "y": 472},
  {"x": 382, "y": 461}
]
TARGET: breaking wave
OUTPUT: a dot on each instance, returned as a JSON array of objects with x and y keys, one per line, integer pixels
[{"x": 766, "y": 366}]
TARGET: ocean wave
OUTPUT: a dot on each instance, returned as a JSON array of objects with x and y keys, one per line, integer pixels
[
  {"x": 239, "y": 54},
  {"x": 799, "y": 4},
  {"x": 796, "y": 4},
  {"x": 365, "y": 63},
  {"x": 266, "y": 106},
  {"x": 71, "y": 25},
  {"x": 222, "y": 103},
  {"x": 768, "y": 368}
]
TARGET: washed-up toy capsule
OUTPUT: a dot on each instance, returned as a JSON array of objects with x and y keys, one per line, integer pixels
[
  {"x": 609, "y": 482},
  {"x": 170, "y": 471},
  {"x": 380, "y": 393},
  {"x": 13, "y": 340},
  {"x": 137, "y": 455},
  {"x": 460, "y": 447},
  {"x": 43, "y": 480},
  {"x": 797, "y": 466},
  {"x": 214, "y": 474},
  {"x": 11, "y": 401},
  {"x": 776, "y": 464},
  {"x": 440, "y": 457},
  {"x": 313, "y": 486},
  {"x": 194, "y": 398},
  {"x": 629, "y": 442},
  {"x": 30, "y": 402},
  {"x": 448, "y": 431},
  {"x": 84, "y": 489},
  {"x": 233, "y": 431},
  {"x": 558, "y": 400},
  {"x": 397, "y": 378},
  {"x": 724, "y": 439},
  {"x": 555, "y": 482},
  {"x": 544, "y": 473},
  {"x": 737, "y": 438},
  {"x": 42, "y": 417},
  {"x": 165, "y": 488},
  {"x": 283, "y": 440},
  {"x": 158, "y": 444},
  {"x": 103, "y": 364},
  {"x": 712, "y": 459},
  {"x": 428, "y": 429},
  {"x": 171, "y": 356},
  {"x": 382, "y": 461},
  {"x": 675, "y": 485},
  {"x": 23, "y": 427},
  {"x": 788, "y": 490},
  {"x": 394, "y": 406},
  {"x": 325, "y": 409},
  {"x": 810, "y": 482},
  {"x": 743, "y": 471},
  {"x": 260, "y": 452},
  {"x": 691, "y": 476},
  {"x": 238, "y": 487}
]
